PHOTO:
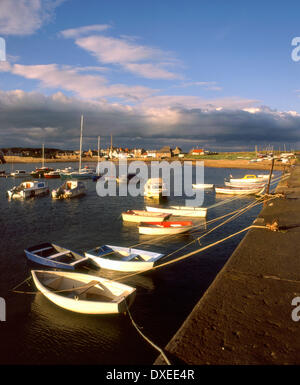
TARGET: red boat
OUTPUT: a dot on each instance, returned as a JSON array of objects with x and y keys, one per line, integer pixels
[
  {"x": 52, "y": 175},
  {"x": 164, "y": 228},
  {"x": 40, "y": 172}
]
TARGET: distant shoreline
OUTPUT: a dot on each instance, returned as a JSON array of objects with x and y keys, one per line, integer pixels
[{"x": 215, "y": 163}]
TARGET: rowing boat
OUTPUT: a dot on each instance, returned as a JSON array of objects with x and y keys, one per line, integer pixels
[
  {"x": 239, "y": 191},
  {"x": 165, "y": 228},
  {"x": 143, "y": 216},
  {"x": 123, "y": 258},
  {"x": 248, "y": 179},
  {"x": 203, "y": 186},
  {"x": 84, "y": 293},
  {"x": 49, "y": 254},
  {"x": 259, "y": 184},
  {"x": 183, "y": 211}
]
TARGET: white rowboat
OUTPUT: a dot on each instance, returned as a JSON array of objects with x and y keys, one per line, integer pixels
[
  {"x": 243, "y": 185},
  {"x": 143, "y": 216},
  {"x": 20, "y": 174},
  {"x": 203, "y": 186},
  {"x": 83, "y": 293},
  {"x": 184, "y": 211},
  {"x": 123, "y": 258},
  {"x": 238, "y": 191}
]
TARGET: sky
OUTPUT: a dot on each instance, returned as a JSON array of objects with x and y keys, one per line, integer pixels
[{"x": 219, "y": 75}]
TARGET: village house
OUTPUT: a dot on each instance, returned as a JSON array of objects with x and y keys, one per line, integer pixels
[
  {"x": 197, "y": 152},
  {"x": 164, "y": 152},
  {"x": 177, "y": 151}
]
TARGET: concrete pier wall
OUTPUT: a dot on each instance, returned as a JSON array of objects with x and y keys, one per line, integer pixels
[{"x": 245, "y": 316}]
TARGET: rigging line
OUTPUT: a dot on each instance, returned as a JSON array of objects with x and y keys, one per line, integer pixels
[
  {"x": 189, "y": 254},
  {"x": 216, "y": 227},
  {"x": 208, "y": 246},
  {"x": 257, "y": 202},
  {"x": 208, "y": 222},
  {"x": 196, "y": 226}
]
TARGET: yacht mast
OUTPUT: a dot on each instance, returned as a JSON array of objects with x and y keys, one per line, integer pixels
[
  {"x": 98, "y": 155},
  {"x": 80, "y": 149},
  {"x": 43, "y": 156}
]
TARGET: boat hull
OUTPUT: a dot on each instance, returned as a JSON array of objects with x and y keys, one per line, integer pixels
[
  {"x": 162, "y": 229},
  {"x": 203, "y": 186},
  {"x": 184, "y": 211},
  {"x": 34, "y": 189},
  {"x": 114, "y": 306},
  {"x": 70, "y": 189},
  {"x": 136, "y": 216},
  {"x": 242, "y": 186},
  {"x": 146, "y": 262},
  {"x": 45, "y": 261},
  {"x": 237, "y": 191}
]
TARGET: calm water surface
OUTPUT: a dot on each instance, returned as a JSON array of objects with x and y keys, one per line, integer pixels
[{"x": 38, "y": 332}]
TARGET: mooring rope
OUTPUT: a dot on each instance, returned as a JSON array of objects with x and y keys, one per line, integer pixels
[
  {"x": 236, "y": 213},
  {"x": 241, "y": 211},
  {"x": 146, "y": 338}
]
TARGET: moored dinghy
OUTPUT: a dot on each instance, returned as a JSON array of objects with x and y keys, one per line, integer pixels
[
  {"x": 84, "y": 293},
  {"x": 49, "y": 254},
  {"x": 248, "y": 179},
  {"x": 155, "y": 188},
  {"x": 239, "y": 191},
  {"x": 123, "y": 258},
  {"x": 20, "y": 174},
  {"x": 184, "y": 211},
  {"x": 143, "y": 216},
  {"x": 203, "y": 186},
  {"x": 165, "y": 228}
]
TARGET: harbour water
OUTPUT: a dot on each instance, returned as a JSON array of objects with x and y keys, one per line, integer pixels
[{"x": 38, "y": 332}]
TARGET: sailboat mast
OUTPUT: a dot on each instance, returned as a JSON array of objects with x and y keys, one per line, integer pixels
[
  {"x": 98, "y": 148},
  {"x": 80, "y": 147},
  {"x": 98, "y": 155},
  {"x": 43, "y": 155}
]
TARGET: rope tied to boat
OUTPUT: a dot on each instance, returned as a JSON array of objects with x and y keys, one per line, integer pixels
[{"x": 145, "y": 337}]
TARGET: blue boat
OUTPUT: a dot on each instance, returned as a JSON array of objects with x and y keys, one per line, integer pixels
[{"x": 49, "y": 254}]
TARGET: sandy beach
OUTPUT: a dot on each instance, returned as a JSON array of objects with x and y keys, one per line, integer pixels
[{"x": 217, "y": 163}]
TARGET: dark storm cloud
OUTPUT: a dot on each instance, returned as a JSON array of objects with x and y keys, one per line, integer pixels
[{"x": 29, "y": 119}]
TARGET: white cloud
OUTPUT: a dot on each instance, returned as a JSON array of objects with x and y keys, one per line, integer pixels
[
  {"x": 83, "y": 85},
  {"x": 150, "y": 71},
  {"x": 194, "y": 102},
  {"x": 140, "y": 60},
  {"x": 211, "y": 85},
  {"x": 76, "y": 32},
  {"x": 110, "y": 50},
  {"x": 24, "y": 17}
]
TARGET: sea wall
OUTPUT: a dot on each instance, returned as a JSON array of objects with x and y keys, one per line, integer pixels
[{"x": 245, "y": 316}]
